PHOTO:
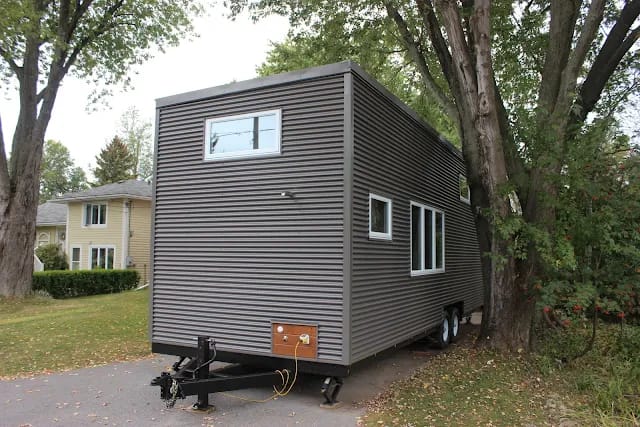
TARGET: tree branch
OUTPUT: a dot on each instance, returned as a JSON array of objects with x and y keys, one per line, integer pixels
[
  {"x": 462, "y": 61},
  {"x": 12, "y": 64},
  {"x": 414, "y": 51},
  {"x": 569, "y": 77},
  {"x": 616, "y": 45},
  {"x": 4, "y": 171},
  {"x": 564, "y": 14}
]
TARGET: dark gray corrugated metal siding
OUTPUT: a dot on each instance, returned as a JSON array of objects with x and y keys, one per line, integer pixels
[
  {"x": 231, "y": 254},
  {"x": 398, "y": 158}
]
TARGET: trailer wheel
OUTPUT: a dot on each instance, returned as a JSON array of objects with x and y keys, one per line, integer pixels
[
  {"x": 443, "y": 337},
  {"x": 454, "y": 320}
]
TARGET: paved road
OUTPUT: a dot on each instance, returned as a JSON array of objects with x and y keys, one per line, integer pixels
[{"x": 120, "y": 395}]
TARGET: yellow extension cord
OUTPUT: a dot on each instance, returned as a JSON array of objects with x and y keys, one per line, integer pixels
[{"x": 277, "y": 393}]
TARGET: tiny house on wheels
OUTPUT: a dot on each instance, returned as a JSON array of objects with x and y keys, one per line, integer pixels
[{"x": 308, "y": 221}]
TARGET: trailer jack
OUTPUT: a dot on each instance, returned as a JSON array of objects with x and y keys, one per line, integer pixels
[
  {"x": 330, "y": 389},
  {"x": 195, "y": 378}
]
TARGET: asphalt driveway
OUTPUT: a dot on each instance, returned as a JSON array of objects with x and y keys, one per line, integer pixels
[{"x": 120, "y": 395}]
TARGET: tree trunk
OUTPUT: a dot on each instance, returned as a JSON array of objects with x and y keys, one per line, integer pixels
[{"x": 17, "y": 237}]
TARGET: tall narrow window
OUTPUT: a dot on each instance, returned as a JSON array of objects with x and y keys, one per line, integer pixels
[
  {"x": 379, "y": 217},
  {"x": 102, "y": 257},
  {"x": 95, "y": 214},
  {"x": 465, "y": 192},
  {"x": 427, "y": 239},
  {"x": 242, "y": 135},
  {"x": 75, "y": 258}
]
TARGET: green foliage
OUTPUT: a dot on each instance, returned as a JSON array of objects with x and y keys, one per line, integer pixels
[
  {"x": 52, "y": 257},
  {"x": 58, "y": 174},
  {"x": 69, "y": 284},
  {"x": 114, "y": 163},
  {"x": 136, "y": 133},
  {"x": 371, "y": 43},
  {"x": 609, "y": 374},
  {"x": 597, "y": 245}
]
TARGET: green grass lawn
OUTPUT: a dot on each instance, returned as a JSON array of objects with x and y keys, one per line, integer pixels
[
  {"x": 43, "y": 334},
  {"x": 467, "y": 386}
]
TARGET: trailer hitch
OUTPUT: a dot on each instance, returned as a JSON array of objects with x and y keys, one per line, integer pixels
[{"x": 195, "y": 378}]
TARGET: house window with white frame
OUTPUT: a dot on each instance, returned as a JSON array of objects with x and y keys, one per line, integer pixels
[
  {"x": 101, "y": 257},
  {"x": 465, "y": 192},
  {"x": 43, "y": 239},
  {"x": 95, "y": 214},
  {"x": 75, "y": 258},
  {"x": 380, "y": 217},
  {"x": 243, "y": 135},
  {"x": 427, "y": 239}
]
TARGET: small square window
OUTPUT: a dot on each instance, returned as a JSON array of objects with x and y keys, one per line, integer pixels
[
  {"x": 379, "y": 217},
  {"x": 465, "y": 192}
]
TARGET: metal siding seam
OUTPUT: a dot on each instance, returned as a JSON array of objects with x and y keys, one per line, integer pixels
[
  {"x": 348, "y": 216},
  {"x": 152, "y": 234}
]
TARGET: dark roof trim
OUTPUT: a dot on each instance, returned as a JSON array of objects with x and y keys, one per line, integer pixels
[
  {"x": 300, "y": 75},
  {"x": 259, "y": 82},
  {"x": 99, "y": 197}
]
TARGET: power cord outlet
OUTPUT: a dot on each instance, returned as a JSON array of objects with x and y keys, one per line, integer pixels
[{"x": 304, "y": 339}]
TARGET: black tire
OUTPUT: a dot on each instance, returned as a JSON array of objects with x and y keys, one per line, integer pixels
[
  {"x": 454, "y": 324},
  {"x": 443, "y": 336}
]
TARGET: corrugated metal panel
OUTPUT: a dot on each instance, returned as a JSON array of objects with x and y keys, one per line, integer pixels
[
  {"x": 398, "y": 158},
  {"x": 230, "y": 253}
]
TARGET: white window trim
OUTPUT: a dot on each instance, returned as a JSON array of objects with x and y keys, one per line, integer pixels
[
  {"x": 246, "y": 153},
  {"x": 79, "y": 257},
  {"x": 91, "y": 247},
  {"x": 423, "y": 271},
  {"x": 40, "y": 239},
  {"x": 377, "y": 234},
  {"x": 84, "y": 215},
  {"x": 467, "y": 200}
]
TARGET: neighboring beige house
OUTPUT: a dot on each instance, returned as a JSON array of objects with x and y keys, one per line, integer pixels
[
  {"x": 109, "y": 227},
  {"x": 51, "y": 224}
]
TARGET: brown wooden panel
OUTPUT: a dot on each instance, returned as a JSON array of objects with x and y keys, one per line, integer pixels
[{"x": 284, "y": 343}]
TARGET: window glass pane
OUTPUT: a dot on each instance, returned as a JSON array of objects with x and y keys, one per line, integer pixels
[
  {"x": 439, "y": 240},
  {"x": 416, "y": 254},
  {"x": 379, "y": 221},
  {"x": 245, "y": 134},
  {"x": 109, "y": 261},
  {"x": 268, "y": 132},
  {"x": 75, "y": 254},
  {"x": 103, "y": 214},
  {"x": 428, "y": 239},
  {"x": 94, "y": 214},
  {"x": 94, "y": 258},
  {"x": 464, "y": 188},
  {"x": 87, "y": 214}
]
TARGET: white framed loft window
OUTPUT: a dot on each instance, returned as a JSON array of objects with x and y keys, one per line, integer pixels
[
  {"x": 43, "y": 239},
  {"x": 465, "y": 192},
  {"x": 101, "y": 257},
  {"x": 244, "y": 135},
  {"x": 427, "y": 240},
  {"x": 379, "y": 217},
  {"x": 76, "y": 253},
  {"x": 95, "y": 215}
]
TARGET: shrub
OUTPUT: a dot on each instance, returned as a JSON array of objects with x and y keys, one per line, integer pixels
[
  {"x": 68, "y": 284},
  {"x": 52, "y": 257}
]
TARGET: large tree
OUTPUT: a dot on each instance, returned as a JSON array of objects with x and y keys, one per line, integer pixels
[
  {"x": 58, "y": 173},
  {"x": 114, "y": 163},
  {"x": 136, "y": 134},
  {"x": 41, "y": 42},
  {"x": 518, "y": 79}
]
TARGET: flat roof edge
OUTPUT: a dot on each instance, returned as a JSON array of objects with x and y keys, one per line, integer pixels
[
  {"x": 300, "y": 75},
  {"x": 258, "y": 82}
]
